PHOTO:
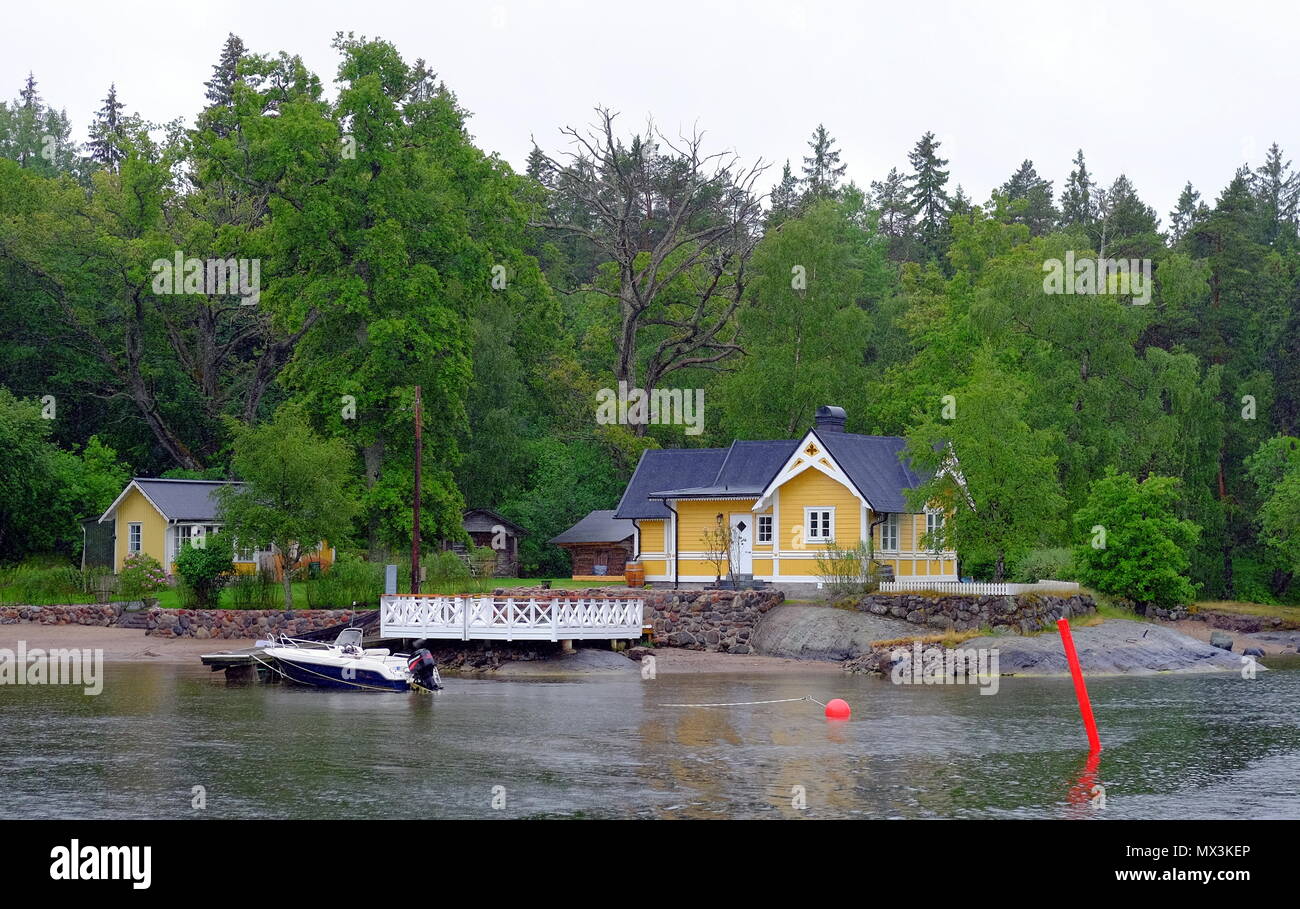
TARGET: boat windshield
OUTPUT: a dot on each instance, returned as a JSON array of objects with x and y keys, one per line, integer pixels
[{"x": 349, "y": 637}]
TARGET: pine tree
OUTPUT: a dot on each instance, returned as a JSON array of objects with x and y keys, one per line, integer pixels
[
  {"x": 28, "y": 93},
  {"x": 930, "y": 203},
  {"x": 538, "y": 167},
  {"x": 107, "y": 134},
  {"x": 220, "y": 88},
  {"x": 1030, "y": 198},
  {"x": 822, "y": 169},
  {"x": 1276, "y": 187},
  {"x": 28, "y": 125},
  {"x": 1190, "y": 212},
  {"x": 785, "y": 198},
  {"x": 1078, "y": 203},
  {"x": 1125, "y": 226},
  {"x": 891, "y": 198}
]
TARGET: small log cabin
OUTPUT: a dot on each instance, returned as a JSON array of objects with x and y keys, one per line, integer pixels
[
  {"x": 487, "y": 528},
  {"x": 600, "y": 546}
]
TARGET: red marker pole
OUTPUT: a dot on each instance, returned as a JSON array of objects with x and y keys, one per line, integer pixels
[{"x": 1080, "y": 689}]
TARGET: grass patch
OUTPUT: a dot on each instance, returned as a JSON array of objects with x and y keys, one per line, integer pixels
[
  {"x": 1290, "y": 615},
  {"x": 948, "y": 639}
]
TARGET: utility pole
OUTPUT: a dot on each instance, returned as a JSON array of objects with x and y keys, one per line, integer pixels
[{"x": 415, "y": 511}]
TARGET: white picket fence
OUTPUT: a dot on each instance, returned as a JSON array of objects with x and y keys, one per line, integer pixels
[
  {"x": 488, "y": 618},
  {"x": 975, "y": 588}
]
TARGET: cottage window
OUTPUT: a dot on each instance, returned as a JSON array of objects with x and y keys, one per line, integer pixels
[
  {"x": 765, "y": 528},
  {"x": 134, "y": 537},
  {"x": 819, "y": 524},
  {"x": 889, "y": 534},
  {"x": 933, "y": 525}
]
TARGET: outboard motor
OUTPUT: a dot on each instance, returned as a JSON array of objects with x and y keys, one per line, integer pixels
[{"x": 424, "y": 671}]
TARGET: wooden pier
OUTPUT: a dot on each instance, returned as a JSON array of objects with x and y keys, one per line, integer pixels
[{"x": 505, "y": 618}]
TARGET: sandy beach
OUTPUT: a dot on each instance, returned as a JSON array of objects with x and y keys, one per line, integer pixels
[{"x": 120, "y": 645}]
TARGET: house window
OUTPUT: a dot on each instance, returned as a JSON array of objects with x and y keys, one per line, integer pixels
[
  {"x": 765, "y": 528},
  {"x": 134, "y": 537},
  {"x": 889, "y": 534},
  {"x": 196, "y": 534},
  {"x": 933, "y": 525},
  {"x": 820, "y": 524}
]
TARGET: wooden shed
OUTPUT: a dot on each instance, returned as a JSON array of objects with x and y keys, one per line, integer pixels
[
  {"x": 600, "y": 546},
  {"x": 487, "y": 528}
]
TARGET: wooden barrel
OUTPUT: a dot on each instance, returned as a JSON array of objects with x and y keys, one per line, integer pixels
[{"x": 634, "y": 574}]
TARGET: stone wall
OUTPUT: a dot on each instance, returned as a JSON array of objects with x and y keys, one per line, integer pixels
[
  {"x": 1017, "y": 614},
  {"x": 243, "y": 623},
  {"x": 78, "y": 614},
  {"x": 717, "y": 620}
]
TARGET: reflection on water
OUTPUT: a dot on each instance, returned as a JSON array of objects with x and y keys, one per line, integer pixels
[{"x": 1203, "y": 747}]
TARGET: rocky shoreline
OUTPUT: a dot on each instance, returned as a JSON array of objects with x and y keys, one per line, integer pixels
[{"x": 723, "y": 625}]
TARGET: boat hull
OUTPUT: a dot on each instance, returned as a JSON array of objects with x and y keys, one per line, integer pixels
[{"x": 351, "y": 678}]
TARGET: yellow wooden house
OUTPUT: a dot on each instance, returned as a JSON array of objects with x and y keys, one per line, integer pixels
[
  {"x": 159, "y": 516},
  {"x": 784, "y": 500}
]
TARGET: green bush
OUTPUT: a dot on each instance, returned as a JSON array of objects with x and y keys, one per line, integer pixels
[
  {"x": 204, "y": 570},
  {"x": 257, "y": 590},
  {"x": 1132, "y": 543},
  {"x": 1046, "y": 564},
  {"x": 848, "y": 572},
  {"x": 140, "y": 576},
  {"x": 350, "y": 580}
]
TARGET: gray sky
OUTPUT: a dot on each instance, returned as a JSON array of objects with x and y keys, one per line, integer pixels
[{"x": 1165, "y": 91}]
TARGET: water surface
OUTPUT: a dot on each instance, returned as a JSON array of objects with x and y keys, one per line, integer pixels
[{"x": 1213, "y": 746}]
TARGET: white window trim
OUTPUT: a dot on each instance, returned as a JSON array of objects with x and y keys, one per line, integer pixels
[
  {"x": 937, "y": 517},
  {"x": 891, "y": 519},
  {"x": 758, "y": 535},
  {"x": 134, "y": 534},
  {"x": 809, "y": 525}
]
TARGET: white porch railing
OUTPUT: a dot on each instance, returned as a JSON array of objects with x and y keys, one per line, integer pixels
[
  {"x": 488, "y": 618},
  {"x": 975, "y": 588}
]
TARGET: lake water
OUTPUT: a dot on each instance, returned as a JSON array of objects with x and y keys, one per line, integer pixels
[{"x": 1210, "y": 746}]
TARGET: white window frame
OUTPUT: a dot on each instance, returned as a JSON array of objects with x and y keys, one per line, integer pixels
[
  {"x": 890, "y": 528},
  {"x": 933, "y": 523},
  {"x": 134, "y": 538},
  {"x": 812, "y": 528},
  {"x": 764, "y": 532}
]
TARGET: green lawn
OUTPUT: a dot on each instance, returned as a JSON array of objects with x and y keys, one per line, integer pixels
[{"x": 169, "y": 598}]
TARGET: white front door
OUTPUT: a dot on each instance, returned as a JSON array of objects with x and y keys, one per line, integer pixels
[{"x": 742, "y": 542}]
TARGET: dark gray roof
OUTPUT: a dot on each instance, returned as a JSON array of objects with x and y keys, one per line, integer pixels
[
  {"x": 746, "y": 468},
  {"x": 873, "y": 464},
  {"x": 745, "y": 471},
  {"x": 665, "y": 468},
  {"x": 183, "y": 500},
  {"x": 483, "y": 520},
  {"x": 596, "y": 527}
]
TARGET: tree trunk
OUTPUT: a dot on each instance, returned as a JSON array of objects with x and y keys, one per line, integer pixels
[
  {"x": 286, "y": 575},
  {"x": 1000, "y": 568}
]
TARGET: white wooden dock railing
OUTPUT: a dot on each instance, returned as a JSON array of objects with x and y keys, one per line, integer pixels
[
  {"x": 489, "y": 618},
  {"x": 976, "y": 588}
]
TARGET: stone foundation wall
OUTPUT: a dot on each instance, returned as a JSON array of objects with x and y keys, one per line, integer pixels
[
  {"x": 243, "y": 623},
  {"x": 716, "y": 620},
  {"x": 1018, "y": 614},
  {"x": 78, "y": 614}
]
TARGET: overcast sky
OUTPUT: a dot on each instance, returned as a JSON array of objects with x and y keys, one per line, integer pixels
[{"x": 1165, "y": 91}]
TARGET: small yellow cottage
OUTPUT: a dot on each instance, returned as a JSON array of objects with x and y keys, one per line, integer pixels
[
  {"x": 157, "y": 517},
  {"x": 784, "y": 501}
]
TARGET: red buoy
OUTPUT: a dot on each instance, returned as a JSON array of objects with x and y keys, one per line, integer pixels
[{"x": 837, "y": 709}]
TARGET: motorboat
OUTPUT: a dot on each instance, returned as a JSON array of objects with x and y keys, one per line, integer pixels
[{"x": 347, "y": 664}]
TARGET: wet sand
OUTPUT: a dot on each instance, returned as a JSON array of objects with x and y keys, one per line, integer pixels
[{"x": 120, "y": 645}]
